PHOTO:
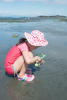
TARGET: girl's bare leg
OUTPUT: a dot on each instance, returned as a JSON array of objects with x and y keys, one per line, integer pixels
[
  {"x": 20, "y": 66},
  {"x": 23, "y": 70}
]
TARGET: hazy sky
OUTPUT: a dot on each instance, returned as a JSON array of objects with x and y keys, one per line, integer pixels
[{"x": 33, "y": 7}]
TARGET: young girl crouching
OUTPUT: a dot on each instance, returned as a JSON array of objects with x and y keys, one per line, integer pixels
[{"x": 20, "y": 55}]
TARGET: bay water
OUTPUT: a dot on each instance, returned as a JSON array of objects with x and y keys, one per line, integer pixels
[{"x": 50, "y": 78}]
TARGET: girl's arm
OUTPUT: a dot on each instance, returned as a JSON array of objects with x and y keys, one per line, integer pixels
[{"x": 29, "y": 58}]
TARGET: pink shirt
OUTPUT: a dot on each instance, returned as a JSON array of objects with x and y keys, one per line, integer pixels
[{"x": 14, "y": 53}]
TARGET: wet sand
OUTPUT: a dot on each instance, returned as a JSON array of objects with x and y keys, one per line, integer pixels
[{"x": 50, "y": 78}]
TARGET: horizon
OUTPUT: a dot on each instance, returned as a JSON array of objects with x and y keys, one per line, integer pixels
[
  {"x": 33, "y": 8},
  {"x": 35, "y": 16}
]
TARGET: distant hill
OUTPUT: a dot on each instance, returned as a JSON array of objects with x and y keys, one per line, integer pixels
[
  {"x": 56, "y": 16},
  {"x": 13, "y": 19},
  {"x": 28, "y": 19}
]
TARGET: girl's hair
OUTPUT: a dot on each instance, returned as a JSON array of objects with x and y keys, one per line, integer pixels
[{"x": 22, "y": 40}]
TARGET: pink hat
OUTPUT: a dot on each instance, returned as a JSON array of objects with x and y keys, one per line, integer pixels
[{"x": 36, "y": 38}]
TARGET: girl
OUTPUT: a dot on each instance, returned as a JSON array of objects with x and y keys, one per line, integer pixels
[{"x": 20, "y": 56}]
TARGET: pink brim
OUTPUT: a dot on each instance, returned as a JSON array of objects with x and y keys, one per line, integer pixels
[{"x": 34, "y": 42}]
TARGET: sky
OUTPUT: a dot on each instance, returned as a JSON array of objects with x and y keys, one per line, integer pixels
[{"x": 33, "y": 7}]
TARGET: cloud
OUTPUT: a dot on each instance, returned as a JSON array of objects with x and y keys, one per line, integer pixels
[
  {"x": 37, "y": 0},
  {"x": 63, "y": 2},
  {"x": 60, "y": 1},
  {"x": 50, "y": 1},
  {"x": 2, "y": 12},
  {"x": 8, "y": 0}
]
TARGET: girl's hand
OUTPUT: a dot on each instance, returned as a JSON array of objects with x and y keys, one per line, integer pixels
[
  {"x": 38, "y": 59},
  {"x": 42, "y": 61}
]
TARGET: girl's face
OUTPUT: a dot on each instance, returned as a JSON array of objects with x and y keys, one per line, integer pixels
[{"x": 31, "y": 47}]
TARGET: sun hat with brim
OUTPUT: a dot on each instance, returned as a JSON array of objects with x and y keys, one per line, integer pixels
[{"x": 36, "y": 38}]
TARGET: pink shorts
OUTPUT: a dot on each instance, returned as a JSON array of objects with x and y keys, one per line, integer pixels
[{"x": 10, "y": 69}]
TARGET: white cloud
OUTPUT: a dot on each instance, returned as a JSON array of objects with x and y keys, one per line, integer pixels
[
  {"x": 60, "y": 1},
  {"x": 47, "y": 1},
  {"x": 37, "y": 0},
  {"x": 2, "y": 12},
  {"x": 8, "y": 0},
  {"x": 50, "y": 1}
]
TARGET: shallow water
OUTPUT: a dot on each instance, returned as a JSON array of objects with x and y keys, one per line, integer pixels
[{"x": 51, "y": 79}]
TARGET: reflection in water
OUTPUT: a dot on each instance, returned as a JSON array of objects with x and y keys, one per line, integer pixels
[
  {"x": 16, "y": 90},
  {"x": 21, "y": 90}
]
